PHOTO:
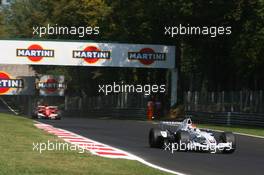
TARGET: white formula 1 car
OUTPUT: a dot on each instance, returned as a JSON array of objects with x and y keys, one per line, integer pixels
[{"x": 184, "y": 136}]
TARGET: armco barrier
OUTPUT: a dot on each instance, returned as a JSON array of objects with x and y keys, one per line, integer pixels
[{"x": 228, "y": 118}]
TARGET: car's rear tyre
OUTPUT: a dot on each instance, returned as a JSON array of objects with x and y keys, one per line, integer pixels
[
  {"x": 59, "y": 115},
  {"x": 228, "y": 137},
  {"x": 58, "y": 118},
  {"x": 155, "y": 138},
  {"x": 182, "y": 138}
]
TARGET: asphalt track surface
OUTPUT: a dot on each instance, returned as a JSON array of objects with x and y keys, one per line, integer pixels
[{"x": 132, "y": 136}]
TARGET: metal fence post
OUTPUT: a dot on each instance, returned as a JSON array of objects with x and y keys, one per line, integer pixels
[
  {"x": 228, "y": 118},
  {"x": 80, "y": 103},
  {"x": 232, "y": 101},
  {"x": 223, "y": 101},
  {"x": 66, "y": 103},
  {"x": 189, "y": 100},
  {"x": 241, "y": 101},
  {"x": 251, "y": 101},
  {"x": 260, "y": 101},
  {"x": 195, "y": 100},
  {"x": 29, "y": 112}
]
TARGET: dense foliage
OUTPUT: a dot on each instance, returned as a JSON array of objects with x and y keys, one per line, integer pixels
[{"x": 232, "y": 62}]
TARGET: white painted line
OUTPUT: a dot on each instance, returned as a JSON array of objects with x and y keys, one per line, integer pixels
[
  {"x": 238, "y": 133},
  {"x": 9, "y": 107},
  {"x": 249, "y": 135}
]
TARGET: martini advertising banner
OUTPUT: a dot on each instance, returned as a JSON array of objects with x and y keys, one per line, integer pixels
[
  {"x": 16, "y": 85},
  {"x": 86, "y": 54},
  {"x": 51, "y": 85}
]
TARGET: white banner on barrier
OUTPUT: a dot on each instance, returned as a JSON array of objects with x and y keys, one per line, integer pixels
[{"x": 86, "y": 54}]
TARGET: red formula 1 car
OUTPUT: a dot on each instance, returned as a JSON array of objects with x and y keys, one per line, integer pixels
[{"x": 47, "y": 112}]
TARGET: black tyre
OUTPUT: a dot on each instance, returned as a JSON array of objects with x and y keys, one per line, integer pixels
[
  {"x": 182, "y": 138},
  {"x": 228, "y": 137},
  {"x": 59, "y": 115},
  {"x": 155, "y": 138},
  {"x": 34, "y": 115}
]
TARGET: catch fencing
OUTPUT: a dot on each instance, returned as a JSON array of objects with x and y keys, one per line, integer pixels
[
  {"x": 228, "y": 108},
  {"x": 122, "y": 105},
  {"x": 228, "y": 118},
  {"x": 234, "y": 101}
]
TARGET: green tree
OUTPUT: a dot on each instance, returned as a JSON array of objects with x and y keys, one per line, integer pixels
[
  {"x": 221, "y": 63},
  {"x": 23, "y": 15},
  {"x": 248, "y": 48},
  {"x": 3, "y": 32}
]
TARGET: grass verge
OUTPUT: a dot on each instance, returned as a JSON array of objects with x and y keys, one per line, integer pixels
[
  {"x": 17, "y": 157},
  {"x": 258, "y": 131}
]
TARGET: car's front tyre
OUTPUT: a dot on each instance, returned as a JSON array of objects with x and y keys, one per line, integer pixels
[{"x": 228, "y": 137}]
